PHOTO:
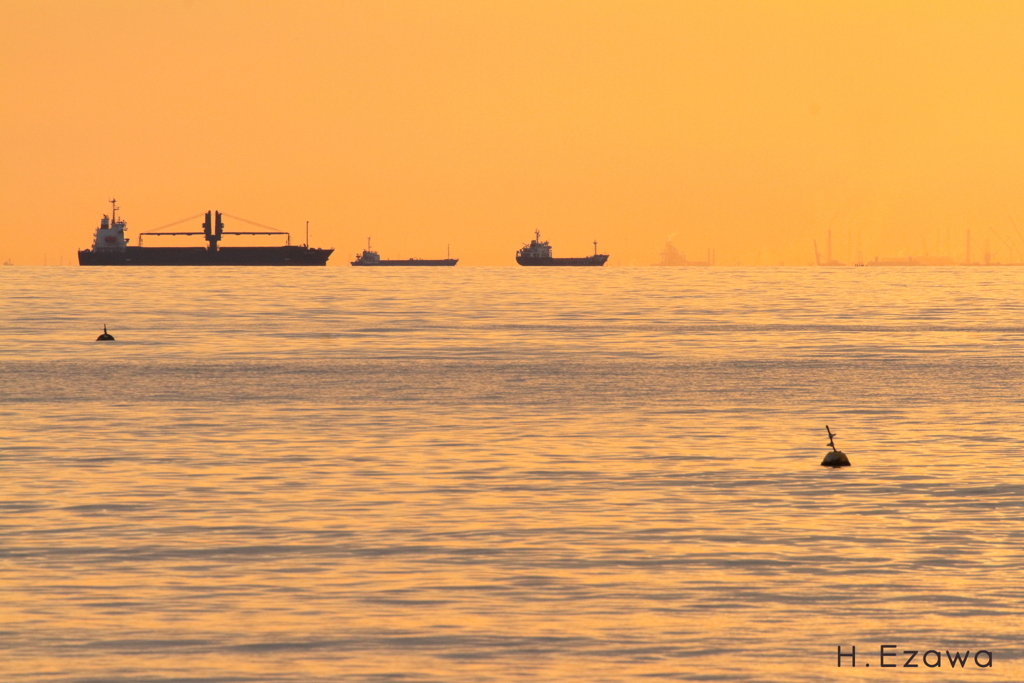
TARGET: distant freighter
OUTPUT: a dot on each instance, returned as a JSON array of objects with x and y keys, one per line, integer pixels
[
  {"x": 538, "y": 253},
  {"x": 110, "y": 248},
  {"x": 372, "y": 258}
]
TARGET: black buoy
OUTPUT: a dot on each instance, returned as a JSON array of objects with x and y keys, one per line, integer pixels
[
  {"x": 835, "y": 458},
  {"x": 105, "y": 336}
]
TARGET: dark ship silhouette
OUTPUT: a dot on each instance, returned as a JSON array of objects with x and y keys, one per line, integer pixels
[
  {"x": 110, "y": 247},
  {"x": 372, "y": 258},
  {"x": 538, "y": 253}
]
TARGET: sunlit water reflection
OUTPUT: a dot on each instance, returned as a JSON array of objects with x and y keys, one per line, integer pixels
[{"x": 473, "y": 474}]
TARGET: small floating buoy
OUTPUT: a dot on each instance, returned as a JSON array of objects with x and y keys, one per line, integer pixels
[
  {"x": 835, "y": 458},
  {"x": 105, "y": 336}
]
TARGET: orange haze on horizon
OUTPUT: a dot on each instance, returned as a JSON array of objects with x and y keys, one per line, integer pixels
[{"x": 747, "y": 127}]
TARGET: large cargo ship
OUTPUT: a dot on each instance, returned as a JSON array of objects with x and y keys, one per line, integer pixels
[
  {"x": 538, "y": 253},
  {"x": 372, "y": 258},
  {"x": 110, "y": 248}
]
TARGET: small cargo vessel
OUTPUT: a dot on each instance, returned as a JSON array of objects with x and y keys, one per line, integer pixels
[
  {"x": 372, "y": 258},
  {"x": 538, "y": 253},
  {"x": 110, "y": 247}
]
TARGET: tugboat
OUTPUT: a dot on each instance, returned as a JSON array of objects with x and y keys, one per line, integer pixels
[
  {"x": 110, "y": 247},
  {"x": 372, "y": 258},
  {"x": 538, "y": 253}
]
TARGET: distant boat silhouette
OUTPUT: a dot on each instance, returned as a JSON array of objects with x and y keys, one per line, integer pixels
[
  {"x": 106, "y": 336},
  {"x": 371, "y": 258},
  {"x": 538, "y": 253},
  {"x": 110, "y": 246}
]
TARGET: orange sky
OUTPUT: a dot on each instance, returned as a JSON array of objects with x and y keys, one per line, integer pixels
[{"x": 750, "y": 127}]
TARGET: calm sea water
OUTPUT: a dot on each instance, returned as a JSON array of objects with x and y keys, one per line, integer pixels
[{"x": 500, "y": 474}]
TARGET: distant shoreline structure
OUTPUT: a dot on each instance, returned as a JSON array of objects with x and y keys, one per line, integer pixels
[
  {"x": 934, "y": 260},
  {"x": 671, "y": 256},
  {"x": 913, "y": 261}
]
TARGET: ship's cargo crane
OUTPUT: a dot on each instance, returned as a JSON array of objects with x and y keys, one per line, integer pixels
[{"x": 213, "y": 229}]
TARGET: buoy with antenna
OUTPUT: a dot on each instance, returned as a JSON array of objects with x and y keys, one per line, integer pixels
[
  {"x": 106, "y": 336},
  {"x": 835, "y": 458}
]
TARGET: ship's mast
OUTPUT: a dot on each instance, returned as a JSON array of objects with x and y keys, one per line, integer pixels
[
  {"x": 595, "y": 247},
  {"x": 113, "y": 212}
]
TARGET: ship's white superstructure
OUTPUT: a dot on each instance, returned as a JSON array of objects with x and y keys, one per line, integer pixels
[
  {"x": 536, "y": 248},
  {"x": 369, "y": 257},
  {"x": 110, "y": 234}
]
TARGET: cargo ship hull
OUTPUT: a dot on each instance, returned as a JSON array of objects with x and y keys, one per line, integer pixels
[
  {"x": 200, "y": 256},
  {"x": 410, "y": 262},
  {"x": 597, "y": 260},
  {"x": 110, "y": 247},
  {"x": 538, "y": 253}
]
